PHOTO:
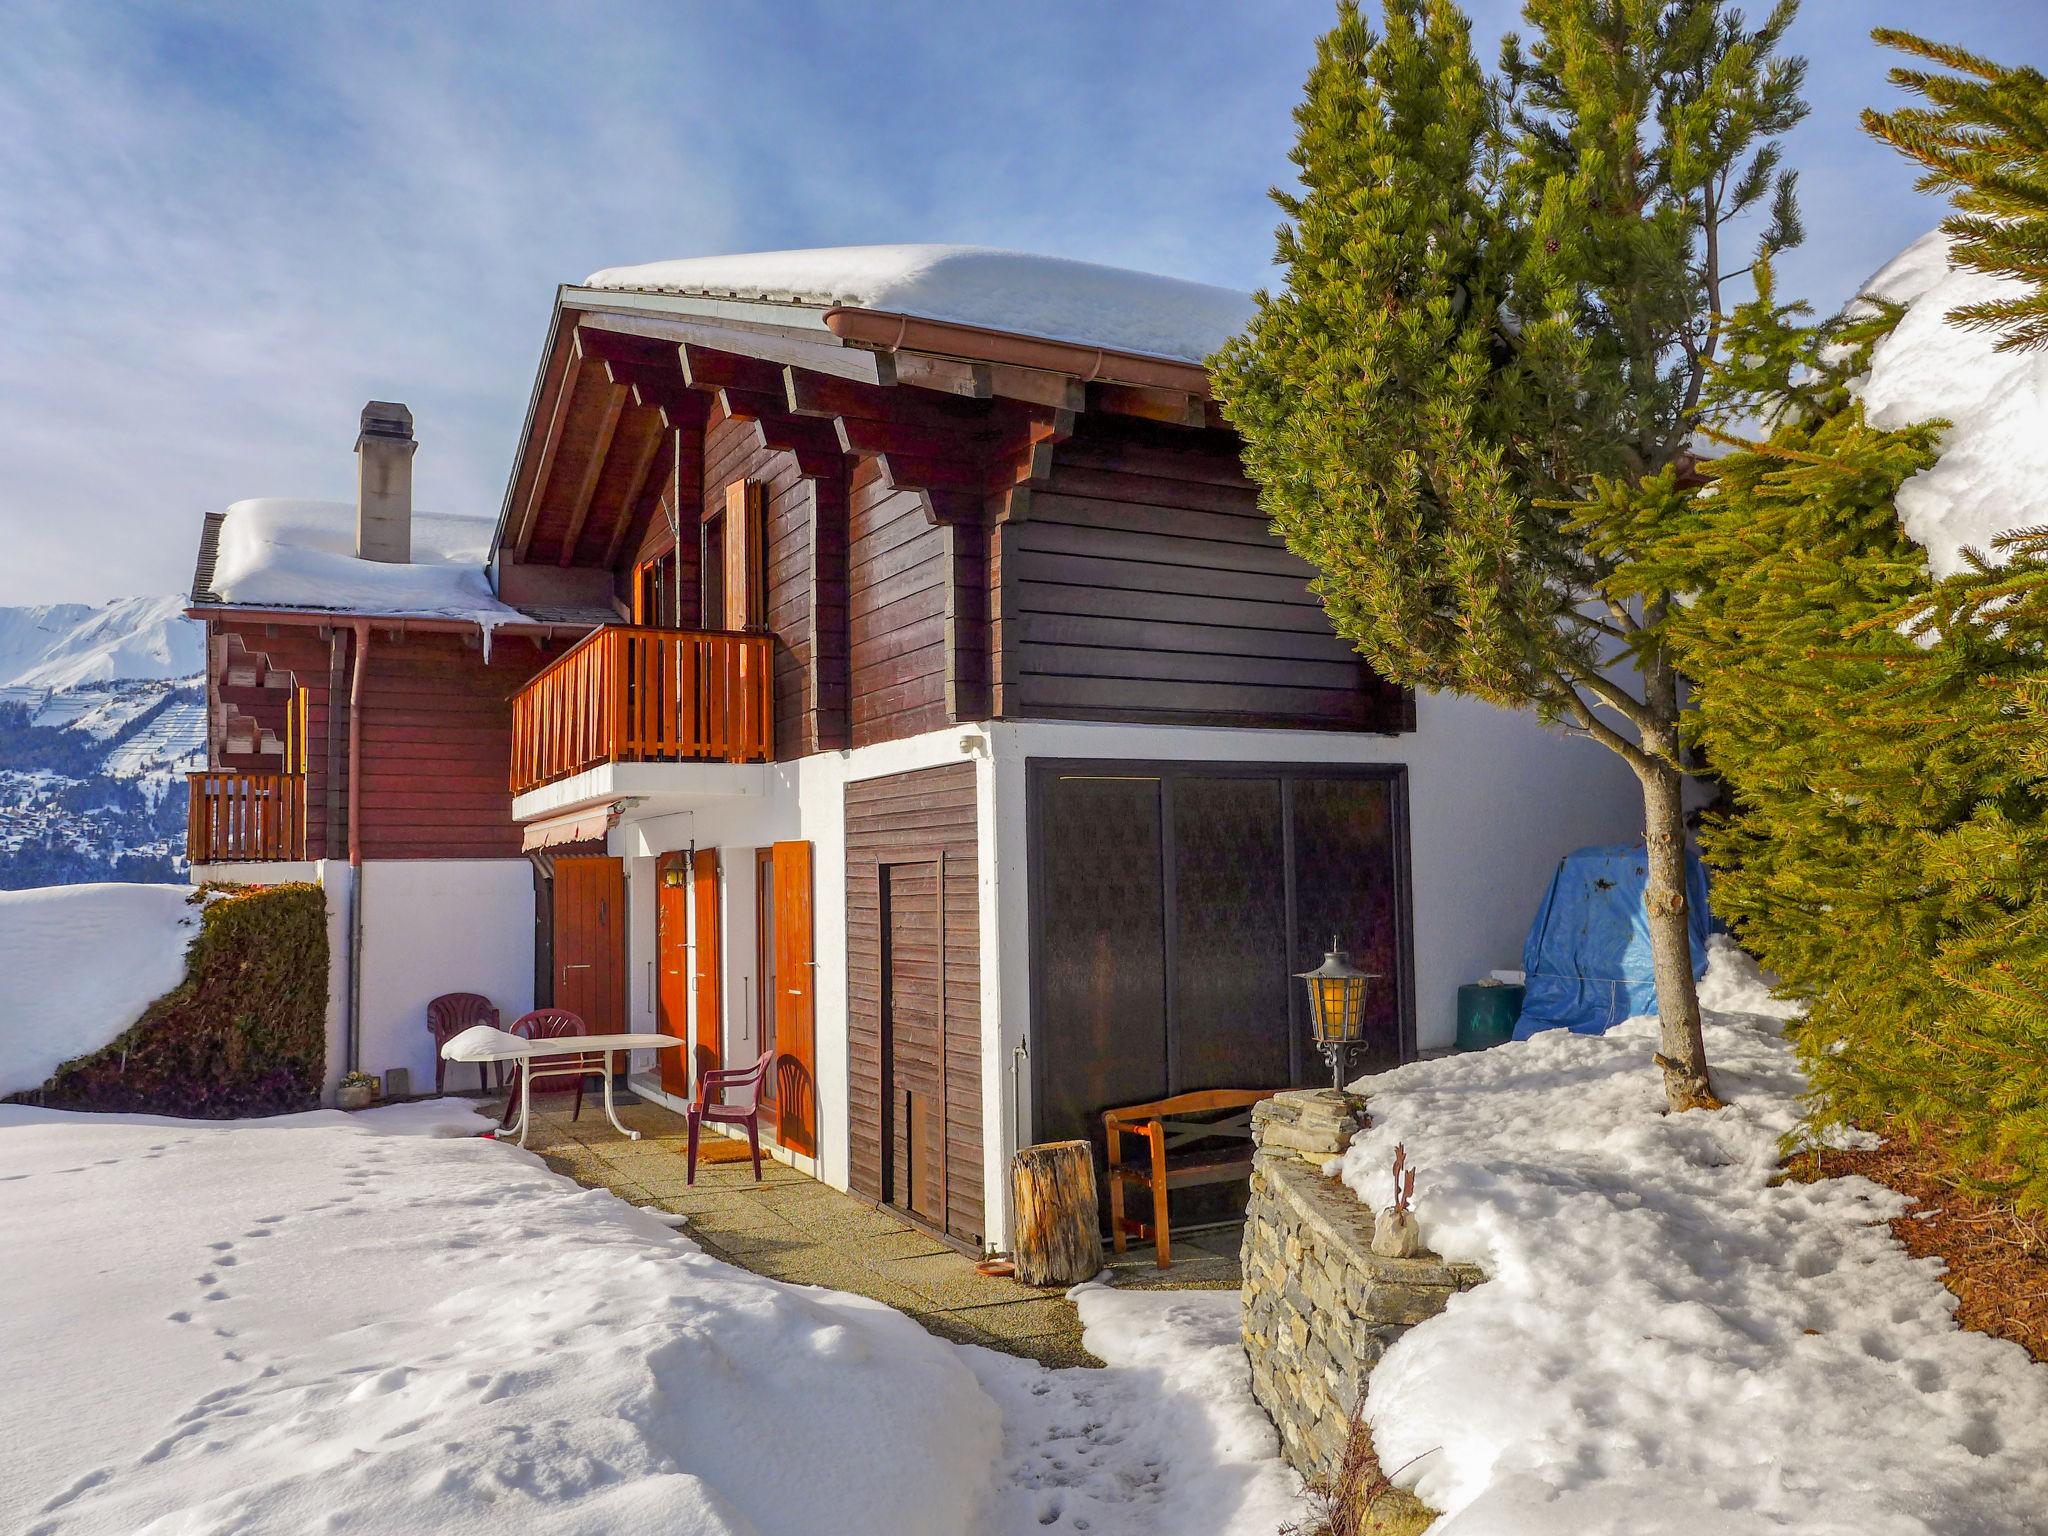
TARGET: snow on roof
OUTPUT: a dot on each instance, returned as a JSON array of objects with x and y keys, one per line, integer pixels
[
  {"x": 1044, "y": 296},
  {"x": 1992, "y": 476},
  {"x": 277, "y": 553}
]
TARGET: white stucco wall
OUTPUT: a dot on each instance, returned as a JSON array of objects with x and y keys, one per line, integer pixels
[
  {"x": 1494, "y": 801},
  {"x": 432, "y": 926}
]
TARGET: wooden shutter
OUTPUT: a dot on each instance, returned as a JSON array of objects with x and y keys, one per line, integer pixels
[
  {"x": 746, "y": 555},
  {"x": 796, "y": 1065},
  {"x": 672, "y": 964},
  {"x": 709, "y": 1051}
]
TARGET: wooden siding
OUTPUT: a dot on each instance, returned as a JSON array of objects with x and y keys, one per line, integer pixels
[
  {"x": 906, "y": 817},
  {"x": 436, "y": 740},
  {"x": 1145, "y": 585},
  {"x": 733, "y": 450},
  {"x": 897, "y": 565}
]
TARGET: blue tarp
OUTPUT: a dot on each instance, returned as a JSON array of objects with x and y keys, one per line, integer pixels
[{"x": 1588, "y": 952}]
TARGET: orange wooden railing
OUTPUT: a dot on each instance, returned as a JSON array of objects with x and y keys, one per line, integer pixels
[
  {"x": 236, "y": 817},
  {"x": 625, "y": 694}
]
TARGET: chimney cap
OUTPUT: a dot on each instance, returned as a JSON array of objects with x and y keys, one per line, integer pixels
[{"x": 386, "y": 419}]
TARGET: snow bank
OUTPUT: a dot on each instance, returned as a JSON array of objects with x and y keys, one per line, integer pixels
[
  {"x": 301, "y": 554},
  {"x": 1992, "y": 476},
  {"x": 1048, "y": 296},
  {"x": 380, "y": 1323},
  {"x": 1668, "y": 1342},
  {"x": 78, "y": 964}
]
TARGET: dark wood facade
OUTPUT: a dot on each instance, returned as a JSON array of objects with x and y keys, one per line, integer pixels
[
  {"x": 1023, "y": 549},
  {"x": 913, "y": 961}
]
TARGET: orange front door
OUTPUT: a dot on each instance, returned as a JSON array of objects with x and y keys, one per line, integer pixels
[
  {"x": 704, "y": 960},
  {"x": 672, "y": 968},
  {"x": 590, "y": 941},
  {"x": 796, "y": 1060}
]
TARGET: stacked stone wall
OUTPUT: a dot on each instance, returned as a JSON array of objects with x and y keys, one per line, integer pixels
[{"x": 1320, "y": 1307}]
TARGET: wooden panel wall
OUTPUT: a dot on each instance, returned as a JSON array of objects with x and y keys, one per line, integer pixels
[
  {"x": 1145, "y": 585},
  {"x": 897, "y": 566},
  {"x": 733, "y": 450},
  {"x": 909, "y": 816},
  {"x": 303, "y": 652}
]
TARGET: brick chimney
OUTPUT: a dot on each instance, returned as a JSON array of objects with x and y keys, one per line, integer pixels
[{"x": 384, "y": 450}]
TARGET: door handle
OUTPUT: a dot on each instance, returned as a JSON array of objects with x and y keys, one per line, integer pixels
[{"x": 580, "y": 965}]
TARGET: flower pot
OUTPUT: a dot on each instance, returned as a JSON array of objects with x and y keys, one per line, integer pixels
[{"x": 355, "y": 1096}]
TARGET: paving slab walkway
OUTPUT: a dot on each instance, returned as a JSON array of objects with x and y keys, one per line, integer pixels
[{"x": 792, "y": 1227}]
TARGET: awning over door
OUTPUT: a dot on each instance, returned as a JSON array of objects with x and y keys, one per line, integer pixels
[{"x": 576, "y": 827}]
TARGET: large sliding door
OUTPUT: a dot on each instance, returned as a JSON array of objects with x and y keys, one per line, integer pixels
[{"x": 1172, "y": 905}]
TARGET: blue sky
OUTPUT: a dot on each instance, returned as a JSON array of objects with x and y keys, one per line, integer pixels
[{"x": 225, "y": 227}]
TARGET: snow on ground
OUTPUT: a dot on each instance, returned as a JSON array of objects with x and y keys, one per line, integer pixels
[
  {"x": 78, "y": 964},
  {"x": 379, "y": 1323},
  {"x": 1166, "y": 1441},
  {"x": 1667, "y": 1342},
  {"x": 276, "y": 553},
  {"x": 1048, "y": 296},
  {"x": 1992, "y": 476}
]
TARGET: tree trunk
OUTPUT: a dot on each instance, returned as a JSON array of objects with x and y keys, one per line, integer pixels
[
  {"x": 1059, "y": 1236},
  {"x": 1682, "y": 1051}
]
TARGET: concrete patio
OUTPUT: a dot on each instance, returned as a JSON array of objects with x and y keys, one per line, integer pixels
[{"x": 792, "y": 1227}]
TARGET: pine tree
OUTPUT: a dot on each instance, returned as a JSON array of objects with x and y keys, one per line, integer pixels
[
  {"x": 1983, "y": 138},
  {"x": 1884, "y": 739},
  {"x": 1504, "y": 297}
]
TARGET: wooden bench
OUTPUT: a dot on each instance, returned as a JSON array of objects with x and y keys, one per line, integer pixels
[{"x": 1166, "y": 1127}]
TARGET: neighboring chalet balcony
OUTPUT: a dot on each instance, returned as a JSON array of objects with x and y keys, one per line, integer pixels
[
  {"x": 626, "y": 694},
  {"x": 240, "y": 818}
]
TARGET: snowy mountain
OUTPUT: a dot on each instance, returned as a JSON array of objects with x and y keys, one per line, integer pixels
[
  {"x": 64, "y": 645},
  {"x": 102, "y": 711}
]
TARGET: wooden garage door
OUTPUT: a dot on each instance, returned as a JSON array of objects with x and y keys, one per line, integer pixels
[{"x": 913, "y": 962}]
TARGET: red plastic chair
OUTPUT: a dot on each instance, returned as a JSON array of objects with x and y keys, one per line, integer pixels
[
  {"x": 744, "y": 1083},
  {"x": 448, "y": 1016},
  {"x": 551, "y": 1024}
]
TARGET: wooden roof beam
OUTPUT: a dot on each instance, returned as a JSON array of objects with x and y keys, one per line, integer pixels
[
  {"x": 586, "y": 488},
  {"x": 1171, "y": 406},
  {"x": 706, "y": 368},
  {"x": 529, "y": 514},
  {"x": 652, "y": 437}
]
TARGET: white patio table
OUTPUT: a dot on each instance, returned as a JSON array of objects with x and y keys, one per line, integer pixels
[{"x": 483, "y": 1043}]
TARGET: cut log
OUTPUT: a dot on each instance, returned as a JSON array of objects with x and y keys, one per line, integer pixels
[{"x": 1052, "y": 1198}]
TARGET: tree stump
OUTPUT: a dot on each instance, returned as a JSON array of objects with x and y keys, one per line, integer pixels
[{"x": 1052, "y": 1200}]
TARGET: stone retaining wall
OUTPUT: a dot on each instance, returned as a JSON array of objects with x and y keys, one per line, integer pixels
[{"x": 1320, "y": 1307}]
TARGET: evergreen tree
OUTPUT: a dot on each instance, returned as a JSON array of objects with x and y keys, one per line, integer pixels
[
  {"x": 1983, "y": 138},
  {"x": 1885, "y": 740},
  {"x": 1503, "y": 301}
]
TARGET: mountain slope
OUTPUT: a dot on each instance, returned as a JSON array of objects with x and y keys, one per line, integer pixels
[{"x": 64, "y": 645}]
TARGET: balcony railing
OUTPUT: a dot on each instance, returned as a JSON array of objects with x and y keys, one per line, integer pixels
[
  {"x": 625, "y": 694},
  {"x": 239, "y": 817}
]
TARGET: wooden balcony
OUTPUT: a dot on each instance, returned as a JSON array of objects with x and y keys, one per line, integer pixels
[
  {"x": 234, "y": 817},
  {"x": 625, "y": 694}
]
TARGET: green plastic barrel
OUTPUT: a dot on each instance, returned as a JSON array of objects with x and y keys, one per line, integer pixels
[{"x": 1487, "y": 1011}]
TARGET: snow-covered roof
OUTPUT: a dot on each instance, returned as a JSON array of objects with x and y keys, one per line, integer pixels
[
  {"x": 1044, "y": 296},
  {"x": 1992, "y": 476},
  {"x": 275, "y": 553}
]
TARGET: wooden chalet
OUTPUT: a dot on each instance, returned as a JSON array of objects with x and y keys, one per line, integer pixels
[{"x": 899, "y": 673}]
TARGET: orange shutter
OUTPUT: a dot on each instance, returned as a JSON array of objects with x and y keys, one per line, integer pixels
[
  {"x": 796, "y": 1076},
  {"x": 709, "y": 1051},
  {"x": 746, "y": 563}
]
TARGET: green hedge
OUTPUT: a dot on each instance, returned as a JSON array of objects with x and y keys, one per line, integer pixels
[{"x": 244, "y": 1034}]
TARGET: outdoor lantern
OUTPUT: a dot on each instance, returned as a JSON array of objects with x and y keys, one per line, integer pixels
[
  {"x": 675, "y": 875},
  {"x": 1336, "y": 1008}
]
